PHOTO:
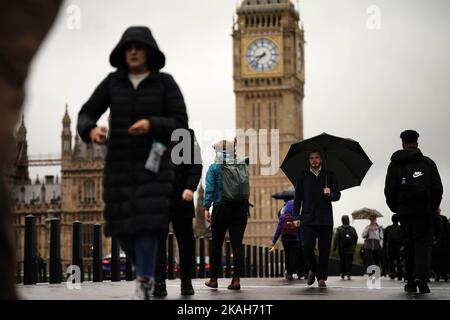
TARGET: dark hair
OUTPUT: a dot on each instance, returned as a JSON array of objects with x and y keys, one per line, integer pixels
[
  {"x": 310, "y": 152},
  {"x": 409, "y": 136},
  {"x": 395, "y": 218}
]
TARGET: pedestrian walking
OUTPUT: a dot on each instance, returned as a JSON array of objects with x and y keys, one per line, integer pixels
[
  {"x": 290, "y": 238},
  {"x": 441, "y": 243},
  {"x": 315, "y": 190},
  {"x": 182, "y": 212},
  {"x": 146, "y": 106},
  {"x": 413, "y": 190},
  {"x": 42, "y": 268},
  {"x": 345, "y": 165},
  {"x": 392, "y": 243},
  {"x": 373, "y": 239},
  {"x": 227, "y": 191},
  {"x": 345, "y": 241}
]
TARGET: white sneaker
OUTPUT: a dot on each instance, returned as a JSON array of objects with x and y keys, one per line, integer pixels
[{"x": 144, "y": 288}]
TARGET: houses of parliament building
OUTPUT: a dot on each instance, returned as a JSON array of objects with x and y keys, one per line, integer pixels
[{"x": 269, "y": 76}]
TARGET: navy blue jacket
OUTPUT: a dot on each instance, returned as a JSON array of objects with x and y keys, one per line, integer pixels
[{"x": 315, "y": 207}]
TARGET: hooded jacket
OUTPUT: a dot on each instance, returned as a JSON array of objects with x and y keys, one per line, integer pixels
[
  {"x": 287, "y": 210},
  {"x": 213, "y": 181},
  {"x": 156, "y": 60},
  {"x": 341, "y": 231},
  {"x": 399, "y": 160},
  {"x": 135, "y": 199}
]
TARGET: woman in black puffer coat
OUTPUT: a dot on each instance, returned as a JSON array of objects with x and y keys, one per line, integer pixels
[{"x": 146, "y": 106}]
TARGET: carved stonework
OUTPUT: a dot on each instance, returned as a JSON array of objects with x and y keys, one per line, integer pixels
[
  {"x": 268, "y": 82},
  {"x": 76, "y": 195}
]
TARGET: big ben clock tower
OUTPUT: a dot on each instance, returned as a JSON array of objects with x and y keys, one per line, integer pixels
[{"x": 268, "y": 82}]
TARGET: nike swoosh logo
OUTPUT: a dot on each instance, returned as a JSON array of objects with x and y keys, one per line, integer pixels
[{"x": 417, "y": 174}]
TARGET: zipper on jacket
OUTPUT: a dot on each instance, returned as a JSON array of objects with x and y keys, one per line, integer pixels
[{"x": 133, "y": 150}]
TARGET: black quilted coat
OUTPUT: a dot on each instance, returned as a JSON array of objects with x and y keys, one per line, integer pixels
[{"x": 135, "y": 199}]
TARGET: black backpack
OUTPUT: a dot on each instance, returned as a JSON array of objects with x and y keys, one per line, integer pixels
[
  {"x": 394, "y": 235},
  {"x": 415, "y": 183},
  {"x": 346, "y": 237}
]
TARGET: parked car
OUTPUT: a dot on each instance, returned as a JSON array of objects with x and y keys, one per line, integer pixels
[{"x": 107, "y": 265}]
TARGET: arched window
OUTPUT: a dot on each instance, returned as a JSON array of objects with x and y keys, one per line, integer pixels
[{"x": 89, "y": 191}]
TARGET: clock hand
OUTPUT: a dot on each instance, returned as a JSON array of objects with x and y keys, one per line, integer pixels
[{"x": 260, "y": 56}]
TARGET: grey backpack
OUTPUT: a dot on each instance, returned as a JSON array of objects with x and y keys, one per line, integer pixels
[{"x": 235, "y": 181}]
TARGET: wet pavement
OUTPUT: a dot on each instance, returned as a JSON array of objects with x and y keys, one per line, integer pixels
[{"x": 252, "y": 289}]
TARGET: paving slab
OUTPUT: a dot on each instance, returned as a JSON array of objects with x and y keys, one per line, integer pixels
[{"x": 252, "y": 289}]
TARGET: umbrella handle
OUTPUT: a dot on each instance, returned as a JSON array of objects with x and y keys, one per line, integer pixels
[{"x": 326, "y": 174}]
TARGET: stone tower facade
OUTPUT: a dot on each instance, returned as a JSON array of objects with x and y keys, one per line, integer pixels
[
  {"x": 269, "y": 76},
  {"x": 81, "y": 187},
  {"x": 76, "y": 195}
]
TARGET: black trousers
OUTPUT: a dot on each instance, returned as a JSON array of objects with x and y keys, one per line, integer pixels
[
  {"x": 345, "y": 262},
  {"x": 417, "y": 234},
  {"x": 231, "y": 217},
  {"x": 440, "y": 263},
  {"x": 373, "y": 257},
  {"x": 322, "y": 235},
  {"x": 394, "y": 258},
  {"x": 182, "y": 228},
  {"x": 291, "y": 251},
  {"x": 301, "y": 268}
]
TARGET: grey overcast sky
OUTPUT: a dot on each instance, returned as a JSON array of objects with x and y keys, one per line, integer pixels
[{"x": 367, "y": 84}]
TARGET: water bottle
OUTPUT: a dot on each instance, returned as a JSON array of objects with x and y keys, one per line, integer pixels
[{"x": 154, "y": 158}]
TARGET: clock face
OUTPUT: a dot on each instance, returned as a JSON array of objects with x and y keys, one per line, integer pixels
[{"x": 262, "y": 55}]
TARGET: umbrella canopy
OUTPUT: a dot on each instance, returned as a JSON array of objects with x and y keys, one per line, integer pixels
[
  {"x": 365, "y": 213},
  {"x": 345, "y": 157},
  {"x": 286, "y": 194}
]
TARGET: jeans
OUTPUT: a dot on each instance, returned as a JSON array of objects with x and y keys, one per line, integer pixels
[{"x": 141, "y": 249}]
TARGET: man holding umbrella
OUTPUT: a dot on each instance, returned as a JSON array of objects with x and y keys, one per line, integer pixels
[{"x": 316, "y": 187}]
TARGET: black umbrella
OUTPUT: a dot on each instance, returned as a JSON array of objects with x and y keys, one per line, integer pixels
[
  {"x": 286, "y": 194},
  {"x": 344, "y": 157}
]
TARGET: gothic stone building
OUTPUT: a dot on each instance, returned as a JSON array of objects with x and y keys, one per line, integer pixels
[
  {"x": 269, "y": 77},
  {"x": 77, "y": 195}
]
